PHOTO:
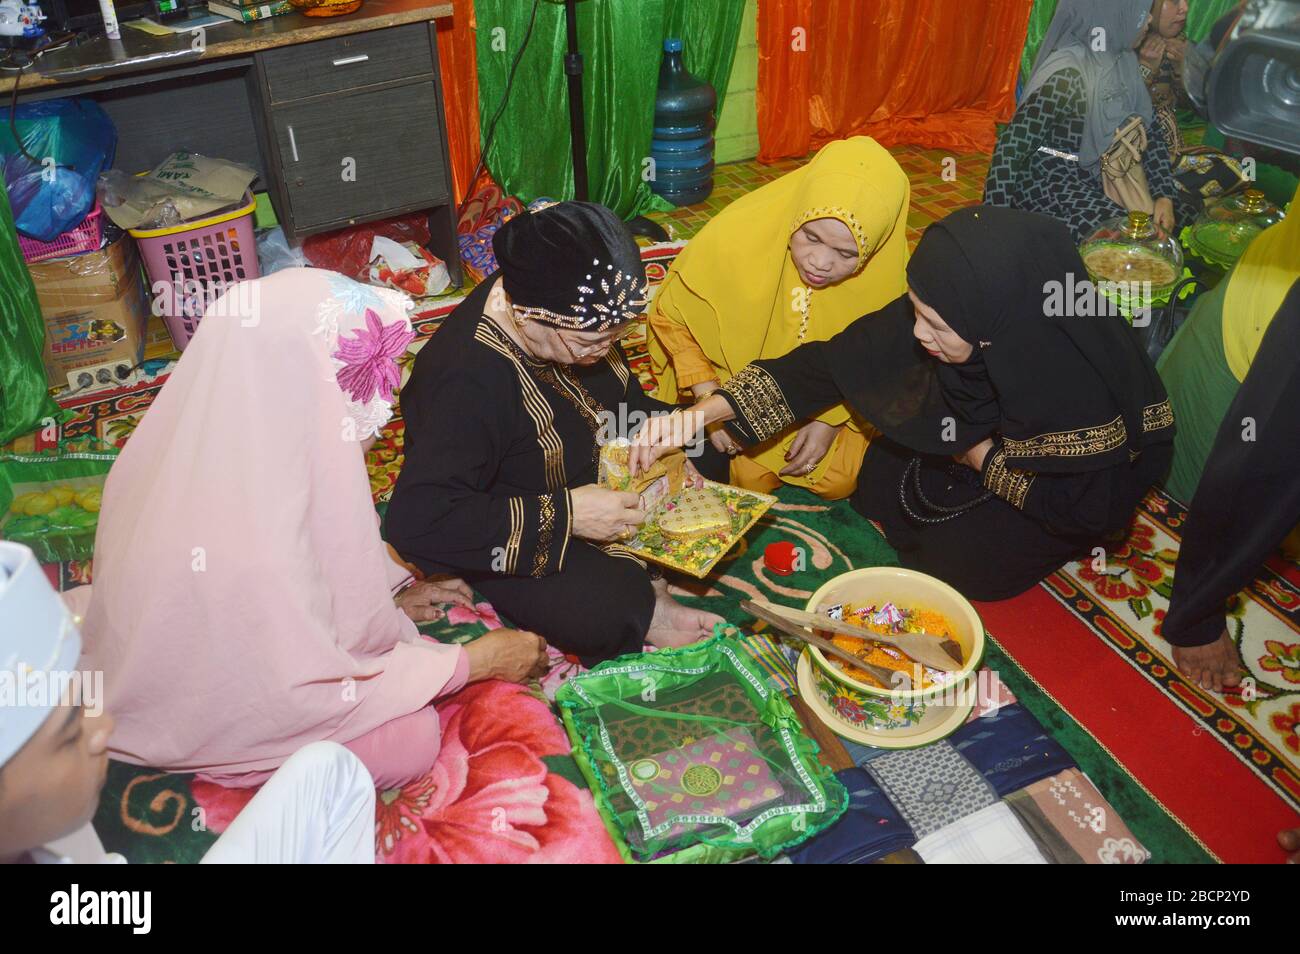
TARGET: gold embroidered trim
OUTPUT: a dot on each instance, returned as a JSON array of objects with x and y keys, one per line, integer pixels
[
  {"x": 1157, "y": 416},
  {"x": 618, "y": 550},
  {"x": 563, "y": 383},
  {"x": 545, "y": 531},
  {"x": 845, "y": 216},
  {"x": 568, "y": 531},
  {"x": 618, "y": 364},
  {"x": 760, "y": 401},
  {"x": 543, "y": 418},
  {"x": 516, "y": 534},
  {"x": 1083, "y": 443},
  {"x": 1008, "y": 483}
]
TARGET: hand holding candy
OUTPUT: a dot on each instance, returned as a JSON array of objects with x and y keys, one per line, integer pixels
[{"x": 603, "y": 515}]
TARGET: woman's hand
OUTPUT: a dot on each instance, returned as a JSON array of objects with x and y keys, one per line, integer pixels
[
  {"x": 1176, "y": 49},
  {"x": 974, "y": 458},
  {"x": 421, "y": 601},
  {"x": 1152, "y": 51},
  {"x": 667, "y": 432},
  {"x": 723, "y": 442},
  {"x": 810, "y": 445},
  {"x": 693, "y": 476},
  {"x": 602, "y": 515},
  {"x": 510, "y": 654},
  {"x": 1163, "y": 215}
]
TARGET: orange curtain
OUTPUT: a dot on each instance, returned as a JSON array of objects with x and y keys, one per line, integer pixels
[
  {"x": 931, "y": 73},
  {"x": 458, "y": 64}
]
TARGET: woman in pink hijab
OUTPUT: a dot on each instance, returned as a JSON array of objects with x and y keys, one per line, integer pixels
[{"x": 244, "y": 602}]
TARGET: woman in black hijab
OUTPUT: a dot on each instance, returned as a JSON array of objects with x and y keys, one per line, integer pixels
[
  {"x": 505, "y": 410},
  {"x": 1016, "y": 436}
]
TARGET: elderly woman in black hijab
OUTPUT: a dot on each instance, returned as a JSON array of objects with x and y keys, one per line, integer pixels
[
  {"x": 503, "y": 415},
  {"x": 1016, "y": 438}
]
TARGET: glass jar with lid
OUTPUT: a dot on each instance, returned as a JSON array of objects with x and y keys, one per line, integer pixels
[
  {"x": 1221, "y": 233},
  {"x": 1131, "y": 261}
]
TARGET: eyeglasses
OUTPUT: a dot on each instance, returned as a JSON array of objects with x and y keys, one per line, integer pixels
[{"x": 586, "y": 348}]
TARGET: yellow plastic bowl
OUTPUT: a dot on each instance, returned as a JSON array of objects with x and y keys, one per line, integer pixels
[{"x": 861, "y": 706}]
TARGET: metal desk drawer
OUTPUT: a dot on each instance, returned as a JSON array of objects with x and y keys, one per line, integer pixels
[
  {"x": 347, "y": 62},
  {"x": 351, "y": 157}
]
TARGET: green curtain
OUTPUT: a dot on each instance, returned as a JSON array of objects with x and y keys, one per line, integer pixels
[
  {"x": 24, "y": 392},
  {"x": 621, "y": 43},
  {"x": 1201, "y": 15}
]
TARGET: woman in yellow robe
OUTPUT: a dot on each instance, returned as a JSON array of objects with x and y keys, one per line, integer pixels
[{"x": 794, "y": 261}]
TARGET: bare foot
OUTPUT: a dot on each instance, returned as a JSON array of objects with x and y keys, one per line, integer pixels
[
  {"x": 676, "y": 625},
  {"x": 1213, "y": 666},
  {"x": 1289, "y": 839}
]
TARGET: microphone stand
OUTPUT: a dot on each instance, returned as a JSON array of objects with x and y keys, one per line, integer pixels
[{"x": 639, "y": 225}]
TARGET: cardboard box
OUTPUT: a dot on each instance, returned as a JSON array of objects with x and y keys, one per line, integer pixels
[{"x": 96, "y": 308}]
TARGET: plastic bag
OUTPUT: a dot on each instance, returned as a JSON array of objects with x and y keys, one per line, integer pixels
[
  {"x": 407, "y": 267},
  {"x": 50, "y": 501},
  {"x": 24, "y": 391},
  {"x": 692, "y": 756},
  {"x": 348, "y": 250},
  {"x": 182, "y": 187},
  {"x": 275, "y": 253},
  {"x": 70, "y": 141}
]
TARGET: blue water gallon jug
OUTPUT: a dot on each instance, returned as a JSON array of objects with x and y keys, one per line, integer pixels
[{"x": 682, "y": 145}]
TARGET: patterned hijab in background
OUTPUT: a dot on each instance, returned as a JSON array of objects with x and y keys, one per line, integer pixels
[{"x": 1096, "y": 37}]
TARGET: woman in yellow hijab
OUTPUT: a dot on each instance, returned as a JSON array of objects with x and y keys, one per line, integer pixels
[{"x": 797, "y": 260}]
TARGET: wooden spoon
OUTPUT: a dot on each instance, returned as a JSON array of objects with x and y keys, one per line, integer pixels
[
  {"x": 922, "y": 647},
  {"x": 759, "y": 610}
]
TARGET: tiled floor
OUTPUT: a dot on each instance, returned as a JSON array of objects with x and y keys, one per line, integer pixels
[{"x": 937, "y": 188}]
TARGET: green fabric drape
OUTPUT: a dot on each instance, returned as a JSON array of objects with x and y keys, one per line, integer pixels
[
  {"x": 24, "y": 393},
  {"x": 621, "y": 44},
  {"x": 1201, "y": 15}
]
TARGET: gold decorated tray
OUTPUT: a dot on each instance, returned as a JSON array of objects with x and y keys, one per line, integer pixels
[{"x": 693, "y": 537}]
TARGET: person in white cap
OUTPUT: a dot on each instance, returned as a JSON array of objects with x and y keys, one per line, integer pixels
[{"x": 319, "y": 807}]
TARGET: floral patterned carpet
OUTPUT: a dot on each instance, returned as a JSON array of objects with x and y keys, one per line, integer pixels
[{"x": 1227, "y": 765}]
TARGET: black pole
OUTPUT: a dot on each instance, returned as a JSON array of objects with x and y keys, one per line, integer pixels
[
  {"x": 639, "y": 225},
  {"x": 577, "y": 129}
]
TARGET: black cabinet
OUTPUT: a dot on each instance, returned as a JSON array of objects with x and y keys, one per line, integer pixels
[{"x": 353, "y": 130}]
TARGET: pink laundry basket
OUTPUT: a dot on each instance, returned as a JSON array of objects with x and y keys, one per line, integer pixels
[
  {"x": 190, "y": 264},
  {"x": 78, "y": 240}
]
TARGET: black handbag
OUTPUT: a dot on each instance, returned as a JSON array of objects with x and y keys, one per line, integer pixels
[{"x": 1158, "y": 332}]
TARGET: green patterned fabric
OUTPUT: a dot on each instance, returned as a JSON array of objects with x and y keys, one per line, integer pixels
[
  {"x": 621, "y": 45},
  {"x": 690, "y": 751}
]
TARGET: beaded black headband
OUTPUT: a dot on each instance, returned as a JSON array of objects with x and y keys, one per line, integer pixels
[{"x": 604, "y": 299}]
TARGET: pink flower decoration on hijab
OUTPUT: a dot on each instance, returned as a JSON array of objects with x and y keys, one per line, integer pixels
[{"x": 370, "y": 358}]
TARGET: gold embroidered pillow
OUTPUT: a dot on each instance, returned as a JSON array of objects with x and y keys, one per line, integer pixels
[{"x": 695, "y": 512}]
